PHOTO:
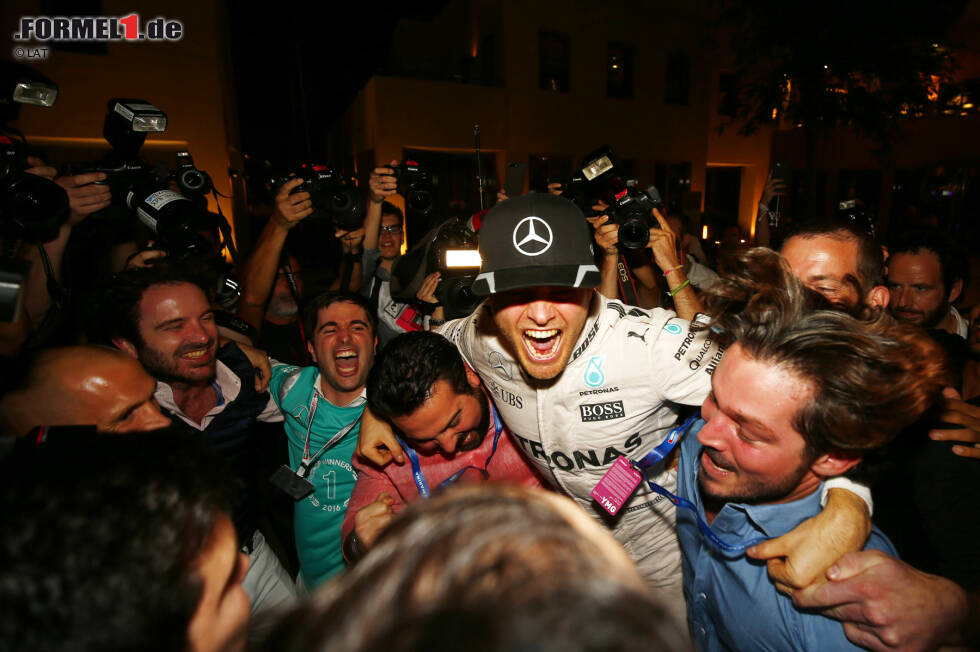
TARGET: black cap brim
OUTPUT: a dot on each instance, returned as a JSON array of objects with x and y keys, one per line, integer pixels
[{"x": 518, "y": 278}]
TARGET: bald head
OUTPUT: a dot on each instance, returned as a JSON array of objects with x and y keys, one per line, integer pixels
[{"x": 83, "y": 385}]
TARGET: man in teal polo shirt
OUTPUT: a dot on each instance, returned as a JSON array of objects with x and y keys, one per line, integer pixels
[{"x": 322, "y": 408}]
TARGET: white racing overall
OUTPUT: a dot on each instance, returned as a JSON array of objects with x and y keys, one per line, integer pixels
[{"x": 617, "y": 396}]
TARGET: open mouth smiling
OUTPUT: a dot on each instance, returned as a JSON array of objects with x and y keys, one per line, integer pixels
[
  {"x": 542, "y": 345},
  {"x": 346, "y": 362}
]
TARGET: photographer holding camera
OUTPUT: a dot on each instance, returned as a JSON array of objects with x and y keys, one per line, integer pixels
[
  {"x": 37, "y": 212},
  {"x": 663, "y": 247},
  {"x": 44, "y": 273},
  {"x": 383, "y": 238},
  {"x": 268, "y": 302}
]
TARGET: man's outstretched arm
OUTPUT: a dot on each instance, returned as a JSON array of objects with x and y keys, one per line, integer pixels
[
  {"x": 263, "y": 265},
  {"x": 885, "y": 604}
]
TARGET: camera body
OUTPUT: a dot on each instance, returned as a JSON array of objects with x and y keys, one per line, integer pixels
[
  {"x": 632, "y": 210},
  {"x": 415, "y": 184},
  {"x": 333, "y": 196},
  {"x": 32, "y": 208},
  {"x": 454, "y": 254},
  {"x": 123, "y": 177},
  {"x": 126, "y": 124},
  {"x": 189, "y": 178},
  {"x": 179, "y": 225},
  {"x": 628, "y": 206}
]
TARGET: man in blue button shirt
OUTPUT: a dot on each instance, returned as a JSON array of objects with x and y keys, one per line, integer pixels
[{"x": 798, "y": 398}]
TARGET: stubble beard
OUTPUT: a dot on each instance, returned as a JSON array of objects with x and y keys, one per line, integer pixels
[
  {"x": 754, "y": 492},
  {"x": 165, "y": 370}
]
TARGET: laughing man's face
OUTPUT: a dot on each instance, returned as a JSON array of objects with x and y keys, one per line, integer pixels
[
  {"x": 542, "y": 325},
  {"x": 343, "y": 347},
  {"x": 179, "y": 337}
]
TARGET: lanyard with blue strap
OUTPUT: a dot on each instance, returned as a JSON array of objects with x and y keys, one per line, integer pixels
[
  {"x": 419, "y": 477},
  {"x": 656, "y": 456}
]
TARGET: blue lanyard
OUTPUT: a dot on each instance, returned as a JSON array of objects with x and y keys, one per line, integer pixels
[
  {"x": 658, "y": 454},
  {"x": 413, "y": 457}
]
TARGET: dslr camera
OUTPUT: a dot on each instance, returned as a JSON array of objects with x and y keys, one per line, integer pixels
[
  {"x": 415, "y": 184},
  {"x": 127, "y": 122},
  {"x": 629, "y": 206},
  {"x": 333, "y": 196},
  {"x": 32, "y": 208}
]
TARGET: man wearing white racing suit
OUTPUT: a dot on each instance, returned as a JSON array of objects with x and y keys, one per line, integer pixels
[
  {"x": 580, "y": 379},
  {"x": 617, "y": 396}
]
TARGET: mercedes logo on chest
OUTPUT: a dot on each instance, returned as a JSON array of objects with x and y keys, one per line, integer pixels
[
  {"x": 500, "y": 365},
  {"x": 532, "y": 236}
]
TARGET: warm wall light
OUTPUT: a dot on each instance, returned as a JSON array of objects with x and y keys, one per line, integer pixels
[{"x": 704, "y": 232}]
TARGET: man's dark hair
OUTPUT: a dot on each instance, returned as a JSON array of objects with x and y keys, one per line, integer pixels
[
  {"x": 406, "y": 369},
  {"x": 871, "y": 259},
  {"x": 118, "y": 309},
  {"x": 954, "y": 264},
  {"x": 482, "y": 567},
  {"x": 870, "y": 377},
  {"x": 388, "y": 208},
  {"x": 101, "y": 537},
  {"x": 312, "y": 310}
]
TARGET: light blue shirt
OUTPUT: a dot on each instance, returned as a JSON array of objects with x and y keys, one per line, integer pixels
[{"x": 731, "y": 604}]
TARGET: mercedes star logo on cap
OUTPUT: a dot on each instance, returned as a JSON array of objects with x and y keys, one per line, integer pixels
[{"x": 528, "y": 240}]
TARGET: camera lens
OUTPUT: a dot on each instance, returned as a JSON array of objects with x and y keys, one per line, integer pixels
[
  {"x": 192, "y": 180},
  {"x": 634, "y": 234}
]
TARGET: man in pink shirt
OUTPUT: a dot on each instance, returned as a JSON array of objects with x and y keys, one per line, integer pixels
[{"x": 447, "y": 425}]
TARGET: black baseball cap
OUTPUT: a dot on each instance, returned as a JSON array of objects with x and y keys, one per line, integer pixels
[{"x": 532, "y": 241}]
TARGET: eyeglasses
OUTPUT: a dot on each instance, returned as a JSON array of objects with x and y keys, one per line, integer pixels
[{"x": 391, "y": 228}]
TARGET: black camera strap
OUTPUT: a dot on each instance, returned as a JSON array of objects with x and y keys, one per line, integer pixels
[{"x": 626, "y": 282}]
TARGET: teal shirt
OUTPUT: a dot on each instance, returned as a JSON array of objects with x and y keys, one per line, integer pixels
[{"x": 318, "y": 517}]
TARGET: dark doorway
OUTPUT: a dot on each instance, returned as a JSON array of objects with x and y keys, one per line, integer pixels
[{"x": 722, "y": 192}]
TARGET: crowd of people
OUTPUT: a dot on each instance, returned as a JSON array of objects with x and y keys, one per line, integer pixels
[{"x": 774, "y": 449}]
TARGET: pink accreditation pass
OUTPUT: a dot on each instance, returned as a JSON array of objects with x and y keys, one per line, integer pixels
[{"x": 617, "y": 485}]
